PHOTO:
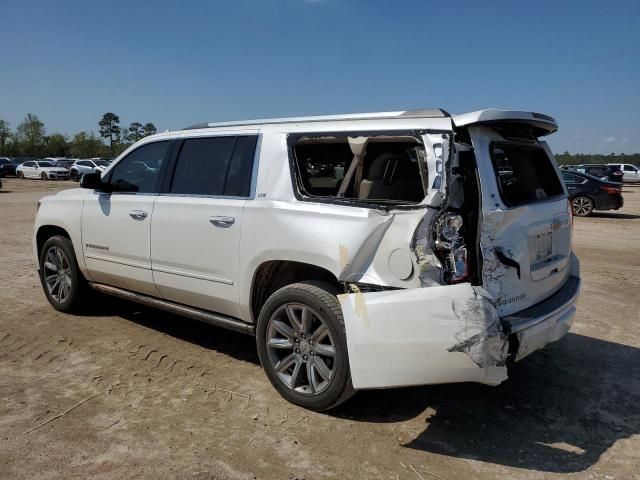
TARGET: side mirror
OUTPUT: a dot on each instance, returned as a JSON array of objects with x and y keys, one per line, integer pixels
[{"x": 92, "y": 181}]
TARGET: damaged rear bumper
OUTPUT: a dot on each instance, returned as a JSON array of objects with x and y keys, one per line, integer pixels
[
  {"x": 445, "y": 334},
  {"x": 545, "y": 322}
]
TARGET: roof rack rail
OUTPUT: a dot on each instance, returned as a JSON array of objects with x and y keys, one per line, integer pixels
[{"x": 418, "y": 113}]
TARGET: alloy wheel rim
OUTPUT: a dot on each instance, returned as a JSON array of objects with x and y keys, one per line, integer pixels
[
  {"x": 57, "y": 274},
  {"x": 581, "y": 205},
  {"x": 301, "y": 349}
]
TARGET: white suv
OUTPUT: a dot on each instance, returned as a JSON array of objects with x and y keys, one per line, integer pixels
[
  {"x": 630, "y": 173},
  {"x": 82, "y": 167},
  {"x": 362, "y": 251}
]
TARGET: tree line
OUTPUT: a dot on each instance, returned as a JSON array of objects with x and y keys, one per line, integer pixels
[
  {"x": 30, "y": 138},
  {"x": 567, "y": 158}
]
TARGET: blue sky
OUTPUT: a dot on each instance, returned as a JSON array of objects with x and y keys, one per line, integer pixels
[{"x": 178, "y": 63}]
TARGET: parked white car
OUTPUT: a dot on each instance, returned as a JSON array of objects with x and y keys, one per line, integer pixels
[
  {"x": 363, "y": 251},
  {"x": 41, "y": 169},
  {"x": 631, "y": 173},
  {"x": 82, "y": 167}
]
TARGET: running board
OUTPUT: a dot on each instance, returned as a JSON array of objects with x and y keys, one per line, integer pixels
[{"x": 204, "y": 316}]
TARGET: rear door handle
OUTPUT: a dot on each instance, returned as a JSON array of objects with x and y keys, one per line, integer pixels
[
  {"x": 222, "y": 222},
  {"x": 138, "y": 214}
]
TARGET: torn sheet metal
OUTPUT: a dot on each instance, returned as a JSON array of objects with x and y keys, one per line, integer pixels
[{"x": 423, "y": 336}]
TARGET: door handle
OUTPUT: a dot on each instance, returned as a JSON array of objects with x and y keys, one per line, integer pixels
[
  {"x": 222, "y": 222},
  {"x": 138, "y": 214}
]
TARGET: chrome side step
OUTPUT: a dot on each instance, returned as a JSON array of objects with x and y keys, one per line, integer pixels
[{"x": 204, "y": 316}]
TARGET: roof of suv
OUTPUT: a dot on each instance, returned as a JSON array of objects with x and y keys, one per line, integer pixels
[{"x": 421, "y": 113}]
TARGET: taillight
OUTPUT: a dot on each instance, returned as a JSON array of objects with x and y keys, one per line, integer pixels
[
  {"x": 610, "y": 190},
  {"x": 450, "y": 247}
]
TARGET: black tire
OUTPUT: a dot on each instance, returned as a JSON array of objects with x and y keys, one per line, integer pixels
[
  {"x": 74, "y": 176},
  {"x": 43, "y": 176},
  {"x": 320, "y": 298},
  {"x": 78, "y": 287},
  {"x": 582, "y": 206},
  {"x": 20, "y": 175}
]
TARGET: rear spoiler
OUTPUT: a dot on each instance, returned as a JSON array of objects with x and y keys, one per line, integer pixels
[{"x": 544, "y": 124}]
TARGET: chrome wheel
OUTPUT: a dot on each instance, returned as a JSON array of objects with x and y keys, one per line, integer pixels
[
  {"x": 300, "y": 348},
  {"x": 582, "y": 206},
  {"x": 57, "y": 274}
]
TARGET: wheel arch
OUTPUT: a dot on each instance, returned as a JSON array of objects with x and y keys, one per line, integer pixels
[
  {"x": 271, "y": 275},
  {"x": 45, "y": 232}
]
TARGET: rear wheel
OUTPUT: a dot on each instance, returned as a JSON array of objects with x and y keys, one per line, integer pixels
[
  {"x": 302, "y": 346},
  {"x": 43, "y": 176},
  {"x": 582, "y": 206},
  {"x": 62, "y": 281}
]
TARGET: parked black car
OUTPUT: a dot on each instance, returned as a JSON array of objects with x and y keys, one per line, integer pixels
[
  {"x": 7, "y": 167},
  {"x": 588, "y": 193},
  {"x": 601, "y": 171}
]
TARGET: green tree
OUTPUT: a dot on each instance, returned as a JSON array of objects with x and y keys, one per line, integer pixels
[
  {"x": 110, "y": 128},
  {"x": 57, "y": 145},
  {"x": 86, "y": 145},
  {"x": 149, "y": 129},
  {"x": 136, "y": 132},
  {"x": 31, "y": 135},
  {"x": 5, "y": 136}
]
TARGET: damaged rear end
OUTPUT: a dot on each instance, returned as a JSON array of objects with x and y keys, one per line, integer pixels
[{"x": 481, "y": 275}]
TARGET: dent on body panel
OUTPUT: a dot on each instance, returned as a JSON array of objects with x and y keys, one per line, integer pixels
[{"x": 481, "y": 335}]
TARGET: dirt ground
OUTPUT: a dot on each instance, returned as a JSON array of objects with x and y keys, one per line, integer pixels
[{"x": 167, "y": 397}]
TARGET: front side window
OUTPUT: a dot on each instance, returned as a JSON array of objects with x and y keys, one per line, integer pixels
[
  {"x": 140, "y": 170},
  {"x": 525, "y": 173},
  {"x": 629, "y": 168}
]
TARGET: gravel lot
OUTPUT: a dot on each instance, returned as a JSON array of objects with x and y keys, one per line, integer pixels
[{"x": 167, "y": 397}]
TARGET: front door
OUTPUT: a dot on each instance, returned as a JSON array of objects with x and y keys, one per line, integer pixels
[
  {"x": 116, "y": 227},
  {"x": 197, "y": 221}
]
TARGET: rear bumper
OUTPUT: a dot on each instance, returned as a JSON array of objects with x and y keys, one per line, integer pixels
[
  {"x": 446, "y": 334},
  {"x": 548, "y": 321}
]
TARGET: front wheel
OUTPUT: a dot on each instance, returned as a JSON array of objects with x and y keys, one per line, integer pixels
[
  {"x": 20, "y": 175},
  {"x": 60, "y": 276},
  {"x": 43, "y": 176},
  {"x": 302, "y": 346},
  {"x": 582, "y": 206},
  {"x": 74, "y": 175}
]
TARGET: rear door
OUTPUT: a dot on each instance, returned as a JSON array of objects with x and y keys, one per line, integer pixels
[
  {"x": 525, "y": 233},
  {"x": 197, "y": 221}
]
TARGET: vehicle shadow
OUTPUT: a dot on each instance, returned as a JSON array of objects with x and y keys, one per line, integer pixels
[
  {"x": 234, "y": 344},
  {"x": 560, "y": 410},
  {"x": 625, "y": 216}
]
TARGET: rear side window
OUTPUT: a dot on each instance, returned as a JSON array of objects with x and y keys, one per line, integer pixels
[
  {"x": 215, "y": 166},
  {"x": 570, "y": 178},
  {"x": 525, "y": 173}
]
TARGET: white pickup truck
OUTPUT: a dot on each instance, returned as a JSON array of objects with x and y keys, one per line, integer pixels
[{"x": 362, "y": 251}]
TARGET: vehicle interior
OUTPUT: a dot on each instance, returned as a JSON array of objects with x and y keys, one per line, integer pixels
[{"x": 371, "y": 169}]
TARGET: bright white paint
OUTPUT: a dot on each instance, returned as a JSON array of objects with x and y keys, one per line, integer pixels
[{"x": 397, "y": 337}]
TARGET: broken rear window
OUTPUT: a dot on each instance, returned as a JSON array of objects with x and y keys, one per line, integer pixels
[
  {"x": 525, "y": 173},
  {"x": 368, "y": 168}
]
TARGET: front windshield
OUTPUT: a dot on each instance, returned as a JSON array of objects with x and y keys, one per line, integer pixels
[{"x": 45, "y": 164}]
